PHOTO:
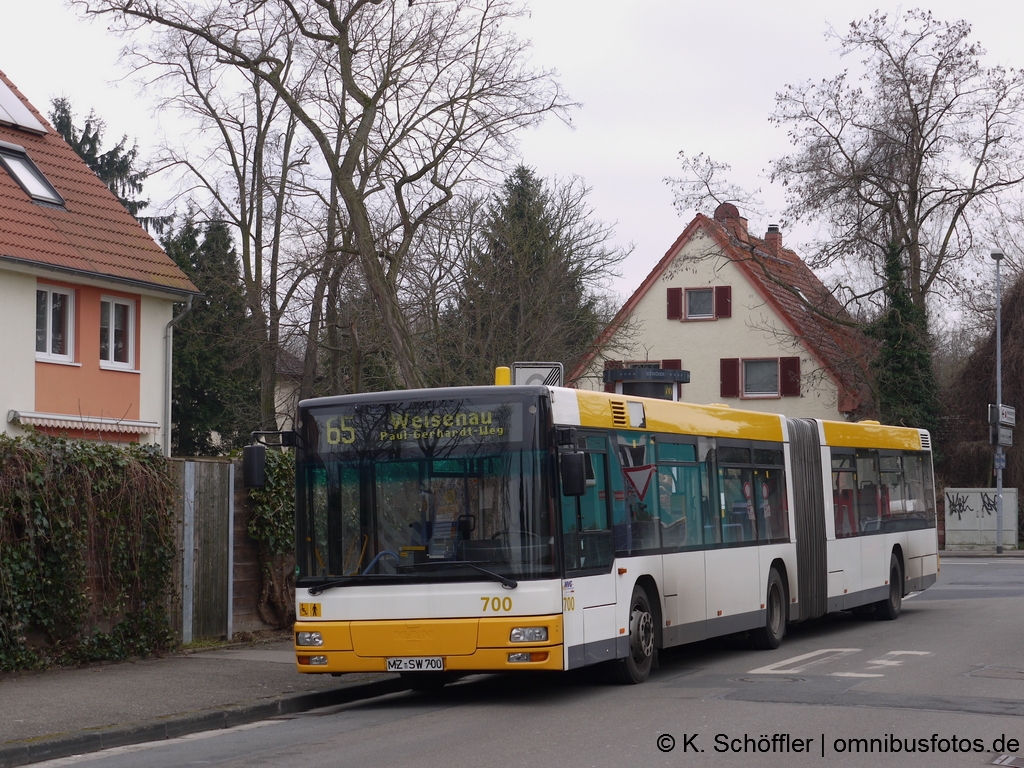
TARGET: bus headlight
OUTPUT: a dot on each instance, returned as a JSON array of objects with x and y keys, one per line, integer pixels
[
  {"x": 309, "y": 638},
  {"x": 529, "y": 635}
]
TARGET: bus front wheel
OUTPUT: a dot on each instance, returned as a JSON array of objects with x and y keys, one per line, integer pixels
[
  {"x": 637, "y": 665},
  {"x": 770, "y": 635},
  {"x": 889, "y": 608}
]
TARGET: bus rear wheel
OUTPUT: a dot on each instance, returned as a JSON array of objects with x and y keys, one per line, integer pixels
[
  {"x": 636, "y": 666},
  {"x": 889, "y": 608},
  {"x": 770, "y": 635}
]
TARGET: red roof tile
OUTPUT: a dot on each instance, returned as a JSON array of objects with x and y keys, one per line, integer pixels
[
  {"x": 92, "y": 234},
  {"x": 780, "y": 277}
]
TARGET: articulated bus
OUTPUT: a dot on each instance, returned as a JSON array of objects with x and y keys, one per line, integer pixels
[{"x": 447, "y": 531}]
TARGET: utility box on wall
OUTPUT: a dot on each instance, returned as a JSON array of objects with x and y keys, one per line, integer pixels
[{"x": 971, "y": 518}]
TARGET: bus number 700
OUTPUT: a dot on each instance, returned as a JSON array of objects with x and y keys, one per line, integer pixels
[{"x": 497, "y": 604}]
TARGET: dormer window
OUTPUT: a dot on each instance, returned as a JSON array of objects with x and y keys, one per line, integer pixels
[{"x": 21, "y": 168}]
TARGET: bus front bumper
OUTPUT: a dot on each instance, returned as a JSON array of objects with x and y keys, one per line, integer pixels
[{"x": 464, "y": 645}]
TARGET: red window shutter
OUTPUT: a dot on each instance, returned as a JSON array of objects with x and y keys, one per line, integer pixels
[
  {"x": 789, "y": 375},
  {"x": 723, "y": 301},
  {"x": 672, "y": 365},
  {"x": 675, "y": 303},
  {"x": 730, "y": 376}
]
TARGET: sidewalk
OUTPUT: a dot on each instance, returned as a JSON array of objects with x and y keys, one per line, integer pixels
[{"x": 46, "y": 715}]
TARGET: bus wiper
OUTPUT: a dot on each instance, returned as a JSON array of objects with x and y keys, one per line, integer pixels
[
  {"x": 506, "y": 582},
  {"x": 324, "y": 586}
]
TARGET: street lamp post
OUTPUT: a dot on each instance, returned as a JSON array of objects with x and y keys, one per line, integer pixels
[{"x": 998, "y": 257}]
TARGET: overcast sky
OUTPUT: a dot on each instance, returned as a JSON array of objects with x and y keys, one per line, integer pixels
[{"x": 670, "y": 75}]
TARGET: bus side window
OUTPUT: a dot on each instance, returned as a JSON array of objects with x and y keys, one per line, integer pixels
[
  {"x": 679, "y": 506},
  {"x": 586, "y": 527},
  {"x": 868, "y": 496},
  {"x": 706, "y": 450}
]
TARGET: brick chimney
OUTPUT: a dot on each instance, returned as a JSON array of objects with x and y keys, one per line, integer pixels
[
  {"x": 728, "y": 215},
  {"x": 773, "y": 239}
]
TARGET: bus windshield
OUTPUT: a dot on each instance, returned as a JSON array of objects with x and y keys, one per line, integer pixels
[{"x": 433, "y": 490}]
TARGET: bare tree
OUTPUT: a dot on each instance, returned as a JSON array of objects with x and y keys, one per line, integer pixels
[
  {"x": 403, "y": 101},
  {"x": 704, "y": 184},
  {"x": 244, "y": 154},
  {"x": 911, "y": 155}
]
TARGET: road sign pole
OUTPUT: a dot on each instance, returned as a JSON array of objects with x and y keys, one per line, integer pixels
[{"x": 998, "y": 256}]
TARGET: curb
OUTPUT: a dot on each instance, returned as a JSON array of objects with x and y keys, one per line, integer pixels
[
  {"x": 981, "y": 553},
  {"x": 94, "y": 740}
]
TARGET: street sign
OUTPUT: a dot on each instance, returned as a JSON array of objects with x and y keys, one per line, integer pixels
[
  {"x": 548, "y": 374},
  {"x": 1000, "y": 435},
  {"x": 1000, "y": 461},
  {"x": 1002, "y": 414}
]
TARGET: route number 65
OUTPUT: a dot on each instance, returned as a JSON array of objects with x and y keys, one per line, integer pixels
[{"x": 343, "y": 433}]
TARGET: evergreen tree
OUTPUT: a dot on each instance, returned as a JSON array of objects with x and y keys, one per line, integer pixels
[
  {"x": 215, "y": 390},
  {"x": 532, "y": 282},
  {"x": 117, "y": 167},
  {"x": 905, "y": 387}
]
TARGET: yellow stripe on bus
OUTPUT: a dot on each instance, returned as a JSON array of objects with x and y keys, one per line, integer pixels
[
  {"x": 852, "y": 435},
  {"x": 666, "y": 416}
]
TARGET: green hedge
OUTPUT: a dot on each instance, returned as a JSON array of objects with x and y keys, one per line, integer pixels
[{"x": 86, "y": 548}]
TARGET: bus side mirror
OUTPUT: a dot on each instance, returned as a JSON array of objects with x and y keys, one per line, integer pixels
[
  {"x": 574, "y": 474},
  {"x": 254, "y": 465}
]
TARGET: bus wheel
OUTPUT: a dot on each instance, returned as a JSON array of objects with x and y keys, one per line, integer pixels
[
  {"x": 889, "y": 608},
  {"x": 770, "y": 635},
  {"x": 637, "y": 665},
  {"x": 426, "y": 681}
]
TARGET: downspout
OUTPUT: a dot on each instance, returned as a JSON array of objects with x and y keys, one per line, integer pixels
[{"x": 168, "y": 344}]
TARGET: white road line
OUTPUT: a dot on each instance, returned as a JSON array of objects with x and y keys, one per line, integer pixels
[
  {"x": 814, "y": 657},
  {"x": 909, "y": 653},
  {"x": 127, "y": 750},
  {"x": 854, "y": 674}
]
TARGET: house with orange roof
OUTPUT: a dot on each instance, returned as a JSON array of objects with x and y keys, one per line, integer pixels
[
  {"x": 749, "y": 320},
  {"x": 87, "y": 295}
]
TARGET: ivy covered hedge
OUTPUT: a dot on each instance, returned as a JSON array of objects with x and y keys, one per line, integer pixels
[
  {"x": 86, "y": 550},
  {"x": 272, "y": 527}
]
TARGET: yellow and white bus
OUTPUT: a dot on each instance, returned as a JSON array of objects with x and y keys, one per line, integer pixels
[{"x": 447, "y": 531}]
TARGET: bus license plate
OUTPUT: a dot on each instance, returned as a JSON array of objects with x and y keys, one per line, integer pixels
[{"x": 416, "y": 664}]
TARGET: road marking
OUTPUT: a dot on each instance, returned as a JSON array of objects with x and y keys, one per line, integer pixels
[
  {"x": 786, "y": 667},
  {"x": 909, "y": 653},
  {"x": 854, "y": 674},
  {"x": 129, "y": 749}
]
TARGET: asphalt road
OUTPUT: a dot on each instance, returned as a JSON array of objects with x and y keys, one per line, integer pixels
[{"x": 946, "y": 678}]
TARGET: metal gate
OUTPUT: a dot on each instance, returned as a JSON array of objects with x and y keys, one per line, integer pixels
[{"x": 203, "y": 572}]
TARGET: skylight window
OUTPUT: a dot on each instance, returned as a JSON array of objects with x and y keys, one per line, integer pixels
[
  {"x": 14, "y": 112},
  {"x": 25, "y": 172}
]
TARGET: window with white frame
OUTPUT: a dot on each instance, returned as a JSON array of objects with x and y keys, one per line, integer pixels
[
  {"x": 17, "y": 162},
  {"x": 761, "y": 378},
  {"x": 700, "y": 303},
  {"x": 55, "y": 311},
  {"x": 117, "y": 333}
]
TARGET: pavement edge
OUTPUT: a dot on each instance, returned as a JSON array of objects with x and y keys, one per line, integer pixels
[{"x": 31, "y": 751}]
